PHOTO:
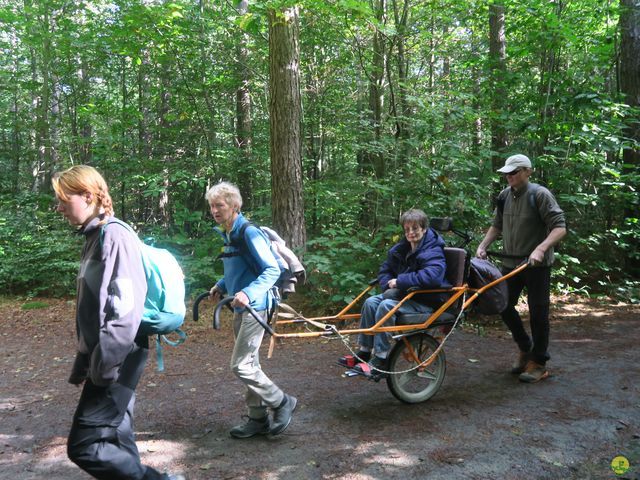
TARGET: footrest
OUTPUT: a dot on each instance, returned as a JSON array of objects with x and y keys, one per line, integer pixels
[
  {"x": 348, "y": 361},
  {"x": 363, "y": 369}
]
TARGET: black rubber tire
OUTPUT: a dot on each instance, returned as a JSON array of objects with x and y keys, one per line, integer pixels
[{"x": 417, "y": 385}]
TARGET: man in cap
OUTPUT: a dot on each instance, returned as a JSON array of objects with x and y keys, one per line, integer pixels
[{"x": 531, "y": 223}]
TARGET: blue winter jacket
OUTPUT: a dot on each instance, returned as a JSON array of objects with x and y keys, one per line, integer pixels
[
  {"x": 424, "y": 268},
  {"x": 240, "y": 273}
]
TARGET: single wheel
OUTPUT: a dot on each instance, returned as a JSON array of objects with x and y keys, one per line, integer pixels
[{"x": 408, "y": 383}]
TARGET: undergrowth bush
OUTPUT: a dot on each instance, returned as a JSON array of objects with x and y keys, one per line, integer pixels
[
  {"x": 38, "y": 251},
  {"x": 340, "y": 264},
  {"x": 39, "y": 254}
]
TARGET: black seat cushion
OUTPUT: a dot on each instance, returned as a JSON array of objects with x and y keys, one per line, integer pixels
[{"x": 445, "y": 318}]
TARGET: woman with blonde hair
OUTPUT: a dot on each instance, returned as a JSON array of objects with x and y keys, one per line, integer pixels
[{"x": 110, "y": 356}]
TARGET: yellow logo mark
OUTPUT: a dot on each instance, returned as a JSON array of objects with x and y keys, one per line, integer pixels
[{"x": 620, "y": 465}]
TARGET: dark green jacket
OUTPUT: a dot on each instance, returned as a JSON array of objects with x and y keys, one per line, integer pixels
[{"x": 525, "y": 224}]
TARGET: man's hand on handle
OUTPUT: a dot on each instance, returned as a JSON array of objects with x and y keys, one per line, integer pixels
[
  {"x": 536, "y": 257},
  {"x": 214, "y": 294}
]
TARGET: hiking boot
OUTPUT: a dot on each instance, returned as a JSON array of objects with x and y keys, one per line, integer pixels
[
  {"x": 378, "y": 364},
  {"x": 520, "y": 365},
  {"x": 254, "y": 426},
  {"x": 351, "y": 361},
  {"x": 282, "y": 414},
  {"x": 534, "y": 372}
]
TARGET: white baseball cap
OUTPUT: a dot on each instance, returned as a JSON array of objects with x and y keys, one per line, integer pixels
[{"x": 514, "y": 162}]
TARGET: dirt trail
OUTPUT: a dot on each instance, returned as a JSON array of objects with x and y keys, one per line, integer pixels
[{"x": 482, "y": 424}]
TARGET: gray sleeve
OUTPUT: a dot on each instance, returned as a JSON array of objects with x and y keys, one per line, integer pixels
[
  {"x": 550, "y": 212},
  {"x": 122, "y": 295}
]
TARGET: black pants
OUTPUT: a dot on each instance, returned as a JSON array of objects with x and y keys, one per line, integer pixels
[
  {"x": 537, "y": 280},
  {"x": 101, "y": 440}
]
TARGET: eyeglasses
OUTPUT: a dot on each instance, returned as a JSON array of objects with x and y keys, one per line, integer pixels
[
  {"x": 515, "y": 172},
  {"x": 412, "y": 229}
]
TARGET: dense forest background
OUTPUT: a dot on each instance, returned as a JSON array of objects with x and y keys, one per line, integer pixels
[{"x": 333, "y": 117}]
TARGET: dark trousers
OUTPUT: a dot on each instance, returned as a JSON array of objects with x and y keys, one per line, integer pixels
[
  {"x": 101, "y": 441},
  {"x": 537, "y": 281}
]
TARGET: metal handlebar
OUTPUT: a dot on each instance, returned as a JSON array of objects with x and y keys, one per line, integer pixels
[
  {"x": 216, "y": 313},
  {"x": 226, "y": 302},
  {"x": 196, "y": 305}
]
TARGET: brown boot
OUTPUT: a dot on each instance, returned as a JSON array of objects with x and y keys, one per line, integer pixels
[
  {"x": 534, "y": 372},
  {"x": 520, "y": 364}
]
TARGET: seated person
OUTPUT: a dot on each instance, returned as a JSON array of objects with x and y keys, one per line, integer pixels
[{"x": 416, "y": 261}]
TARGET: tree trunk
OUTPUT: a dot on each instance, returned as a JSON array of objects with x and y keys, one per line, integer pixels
[
  {"x": 243, "y": 114},
  {"x": 43, "y": 140},
  {"x": 123, "y": 138},
  {"x": 163, "y": 151},
  {"x": 285, "y": 114},
  {"x": 85, "y": 130},
  {"x": 54, "y": 128},
  {"x": 498, "y": 70},
  {"x": 16, "y": 128},
  {"x": 549, "y": 66},
  {"x": 401, "y": 105},
  {"x": 630, "y": 87},
  {"x": 446, "y": 84},
  {"x": 477, "y": 126},
  {"x": 144, "y": 122},
  {"x": 33, "y": 137},
  {"x": 314, "y": 139},
  {"x": 376, "y": 89}
]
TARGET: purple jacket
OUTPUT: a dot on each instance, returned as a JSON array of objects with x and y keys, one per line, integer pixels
[{"x": 424, "y": 268}]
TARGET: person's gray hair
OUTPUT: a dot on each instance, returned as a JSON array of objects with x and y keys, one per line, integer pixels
[
  {"x": 415, "y": 216},
  {"x": 228, "y": 192}
]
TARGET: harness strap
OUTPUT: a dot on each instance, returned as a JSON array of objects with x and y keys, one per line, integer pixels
[
  {"x": 173, "y": 343},
  {"x": 297, "y": 315}
]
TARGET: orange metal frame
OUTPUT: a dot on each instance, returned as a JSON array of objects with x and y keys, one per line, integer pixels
[{"x": 325, "y": 323}]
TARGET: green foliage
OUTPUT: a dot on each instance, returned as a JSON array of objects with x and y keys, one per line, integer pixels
[
  {"x": 35, "y": 305},
  {"x": 38, "y": 253},
  {"x": 146, "y": 92},
  {"x": 201, "y": 269},
  {"x": 341, "y": 263}
]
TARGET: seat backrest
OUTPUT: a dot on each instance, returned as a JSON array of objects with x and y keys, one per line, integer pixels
[{"x": 456, "y": 265}]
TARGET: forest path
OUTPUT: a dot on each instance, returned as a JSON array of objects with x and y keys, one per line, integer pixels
[{"x": 482, "y": 424}]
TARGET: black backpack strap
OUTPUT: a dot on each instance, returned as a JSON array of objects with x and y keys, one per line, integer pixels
[
  {"x": 502, "y": 196},
  {"x": 533, "y": 199},
  {"x": 239, "y": 241}
]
